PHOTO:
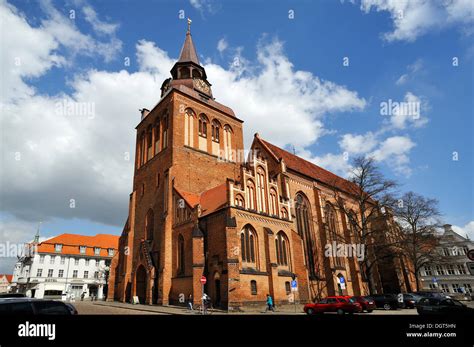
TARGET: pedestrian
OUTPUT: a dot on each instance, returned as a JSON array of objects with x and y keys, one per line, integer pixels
[
  {"x": 190, "y": 302},
  {"x": 206, "y": 301},
  {"x": 269, "y": 303},
  {"x": 83, "y": 295}
]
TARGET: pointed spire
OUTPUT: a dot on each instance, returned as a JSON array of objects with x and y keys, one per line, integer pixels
[
  {"x": 188, "y": 52},
  {"x": 37, "y": 236}
]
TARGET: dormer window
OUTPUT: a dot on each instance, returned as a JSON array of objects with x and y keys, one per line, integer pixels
[
  {"x": 97, "y": 250},
  {"x": 82, "y": 249},
  {"x": 111, "y": 252},
  {"x": 58, "y": 247}
]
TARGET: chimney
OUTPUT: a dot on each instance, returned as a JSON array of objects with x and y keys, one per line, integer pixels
[
  {"x": 447, "y": 227},
  {"x": 144, "y": 112}
]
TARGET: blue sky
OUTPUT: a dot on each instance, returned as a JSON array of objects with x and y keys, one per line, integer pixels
[{"x": 298, "y": 61}]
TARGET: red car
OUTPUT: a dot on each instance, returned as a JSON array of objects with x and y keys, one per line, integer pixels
[
  {"x": 339, "y": 304},
  {"x": 367, "y": 303}
]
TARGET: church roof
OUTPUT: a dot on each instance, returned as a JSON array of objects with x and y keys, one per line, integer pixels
[
  {"x": 309, "y": 169},
  {"x": 188, "y": 52},
  {"x": 210, "y": 200}
]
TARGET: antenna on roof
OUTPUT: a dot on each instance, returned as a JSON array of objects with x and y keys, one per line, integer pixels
[{"x": 294, "y": 150}]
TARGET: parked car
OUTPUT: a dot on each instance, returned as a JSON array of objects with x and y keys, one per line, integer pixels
[
  {"x": 410, "y": 300},
  {"x": 12, "y": 295},
  {"x": 339, "y": 304},
  {"x": 427, "y": 294},
  {"x": 28, "y": 306},
  {"x": 386, "y": 301},
  {"x": 367, "y": 303},
  {"x": 442, "y": 306}
]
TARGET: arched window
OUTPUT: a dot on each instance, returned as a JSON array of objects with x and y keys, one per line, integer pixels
[
  {"x": 228, "y": 142},
  {"x": 304, "y": 222},
  {"x": 157, "y": 137},
  {"x": 248, "y": 243},
  {"x": 282, "y": 249},
  {"x": 284, "y": 213},
  {"x": 273, "y": 202},
  {"x": 253, "y": 287},
  {"x": 333, "y": 231},
  {"x": 216, "y": 128},
  {"x": 149, "y": 221},
  {"x": 203, "y": 125},
  {"x": 196, "y": 74},
  {"x": 239, "y": 201},
  {"x": 149, "y": 143},
  {"x": 181, "y": 255},
  {"x": 184, "y": 72},
  {"x": 164, "y": 127},
  {"x": 262, "y": 189},
  {"x": 189, "y": 116},
  {"x": 251, "y": 195}
]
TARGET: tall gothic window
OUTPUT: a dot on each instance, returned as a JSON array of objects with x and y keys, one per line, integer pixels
[
  {"x": 248, "y": 242},
  {"x": 261, "y": 187},
  {"x": 333, "y": 231},
  {"x": 189, "y": 127},
  {"x": 228, "y": 142},
  {"x": 181, "y": 255},
  {"x": 149, "y": 220},
  {"x": 157, "y": 137},
  {"x": 203, "y": 125},
  {"x": 142, "y": 149},
  {"x": 251, "y": 195},
  {"x": 149, "y": 143},
  {"x": 282, "y": 249},
  {"x": 304, "y": 222},
  {"x": 165, "y": 131},
  {"x": 216, "y": 128},
  {"x": 239, "y": 201},
  {"x": 273, "y": 202}
]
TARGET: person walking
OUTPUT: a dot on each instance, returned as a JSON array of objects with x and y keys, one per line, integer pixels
[
  {"x": 190, "y": 302},
  {"x": 206, "y": 300},
  {"x": 269, "y": 303}
]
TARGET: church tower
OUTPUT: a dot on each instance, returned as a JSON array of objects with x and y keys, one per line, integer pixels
[{"x": 187, "y": 141}]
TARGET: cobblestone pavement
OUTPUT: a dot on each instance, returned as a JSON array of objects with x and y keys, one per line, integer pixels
[{"x": 101, "y": 307}]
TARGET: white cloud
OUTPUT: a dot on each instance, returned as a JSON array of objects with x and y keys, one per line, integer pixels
[
  {"x": 394, "y": 151},
  {"x": 409, "y": 112},
  {"x": 222, "y": 45},
  {"x": 205, "y": 6},
  {"x": 412, "y": 70},
  {"x": 468, "y": 230},
  {"x": 51, "y": 156},
  {"x": 358, "y": 144},
  {"x": 412, "y": 19},
  {"x": 99, "y": 26}
]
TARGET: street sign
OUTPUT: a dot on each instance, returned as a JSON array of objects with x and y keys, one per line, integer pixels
[
  {"x": 470, "y": 254},
  {"x": 342, "y": 280},
  {"x": 203, "y": 280},
  {"x": 294, "y": 284},
  {"x": 343, "y": 285}
]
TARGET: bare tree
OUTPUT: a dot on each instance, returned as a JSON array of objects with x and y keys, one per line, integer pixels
[
  {"x": 369, "y": 191},
  {"x": 418, "y": 218}
]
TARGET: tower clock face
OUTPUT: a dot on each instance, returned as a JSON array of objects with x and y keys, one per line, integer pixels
[{"x": 201, "y": 85}]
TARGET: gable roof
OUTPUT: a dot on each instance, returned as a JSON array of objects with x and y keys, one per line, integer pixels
[
  {"x": 71, "y": 243},
  {"x": 7, "y": 276},
  {"x": 210, "y": 200},
  {"x": 309, "y": 169}
]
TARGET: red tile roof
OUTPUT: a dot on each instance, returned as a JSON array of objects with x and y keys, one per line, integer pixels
[
  {"x": 71, "y": 243},
  {"x": 211, "y": 200},
  {"x": 309, "y": 169},
  {"x": 9, "y": 277}
]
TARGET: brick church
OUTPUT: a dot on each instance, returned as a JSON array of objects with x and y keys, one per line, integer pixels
[{"x": 249, "y": 225}]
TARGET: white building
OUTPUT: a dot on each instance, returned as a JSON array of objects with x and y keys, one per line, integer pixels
[
  {"x": 453, "y": 272},
  {"x": 5, "y": 283},
  {"x": 66, "y": 266}
]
